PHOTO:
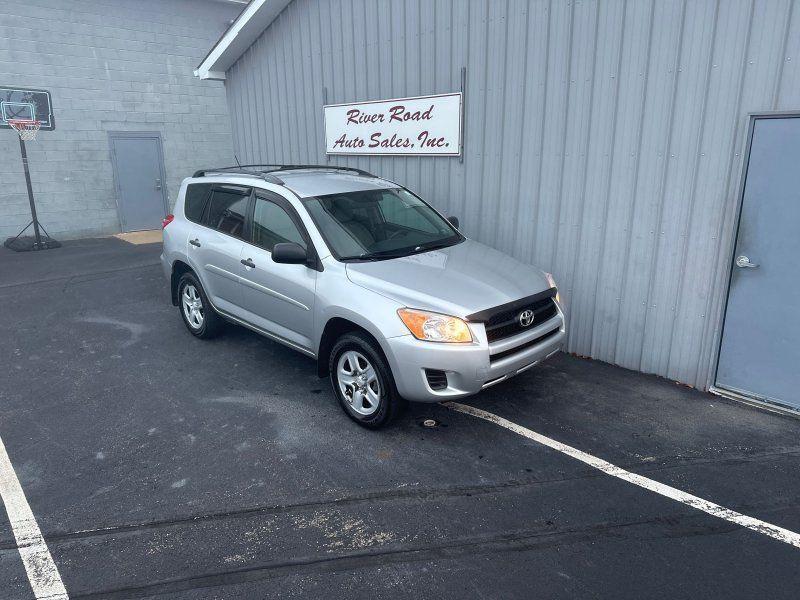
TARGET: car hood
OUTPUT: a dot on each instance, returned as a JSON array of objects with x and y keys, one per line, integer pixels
[{"x": 458, "y": 280}]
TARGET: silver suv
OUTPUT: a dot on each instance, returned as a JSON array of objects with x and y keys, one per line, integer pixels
[{"x": 361, "y": 274}]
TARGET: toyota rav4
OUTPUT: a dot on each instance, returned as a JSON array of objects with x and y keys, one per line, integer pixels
[{"x": 361, "y": 274}]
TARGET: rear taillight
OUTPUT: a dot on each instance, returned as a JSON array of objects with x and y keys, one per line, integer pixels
[{"x": 167, "y": 220}]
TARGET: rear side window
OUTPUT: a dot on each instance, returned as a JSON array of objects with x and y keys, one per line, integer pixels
[
  {"x": 196, "y": 194},
  {"x": 227, "y": 209}
]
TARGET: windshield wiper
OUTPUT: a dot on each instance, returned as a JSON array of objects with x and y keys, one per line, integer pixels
[
  {"x": 374, "y": 256},
  {"x": 434, "y": 246},
  {"x": 400, "y": 253},
  {"x": 382, "y": 255}
]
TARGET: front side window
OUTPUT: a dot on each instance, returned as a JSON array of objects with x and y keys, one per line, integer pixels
[
  {"x": 378, "y": 224},
  {"x": 227, "y": 209},
  {"x": 195, "y": 202},
  {"x": 273, "y": 225}
]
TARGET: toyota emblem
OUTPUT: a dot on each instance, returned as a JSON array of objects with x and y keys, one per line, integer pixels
[{"x": 526, "y": 318}]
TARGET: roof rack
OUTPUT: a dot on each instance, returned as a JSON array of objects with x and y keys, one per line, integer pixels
[
  {"x": 266, "y": 171},
  {"x": 236, "y": 171}
]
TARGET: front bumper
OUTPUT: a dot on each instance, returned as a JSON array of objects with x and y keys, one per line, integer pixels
[{"x": 470, "y": 367}]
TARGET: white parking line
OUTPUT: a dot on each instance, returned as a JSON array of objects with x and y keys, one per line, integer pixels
[
  {"x": 773, "y": 531},
  {"x": 42, "y": 571}
]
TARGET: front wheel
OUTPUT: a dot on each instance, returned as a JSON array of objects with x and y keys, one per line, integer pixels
[{"x": 363, "y": 382}]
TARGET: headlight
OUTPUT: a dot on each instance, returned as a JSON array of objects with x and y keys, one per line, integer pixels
[
  {"x": 551, "y": 281},
  {"x": 434, "y": 327}
]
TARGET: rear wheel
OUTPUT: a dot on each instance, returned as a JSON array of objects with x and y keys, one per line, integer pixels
[
  {"x": 199, "y": 317},
  {"x": 363, "y": 382}
]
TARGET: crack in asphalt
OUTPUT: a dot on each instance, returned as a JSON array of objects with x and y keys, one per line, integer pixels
[
  {"x": 388, "y": 495},
  {"x": 69, "y": 278},
  {"x": 518, "y": 541}
]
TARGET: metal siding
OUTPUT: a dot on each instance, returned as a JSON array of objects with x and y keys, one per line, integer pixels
[{"x": 603, "y": 138}]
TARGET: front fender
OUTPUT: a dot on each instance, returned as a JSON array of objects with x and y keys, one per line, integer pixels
[{"x": 338, "y": 297}]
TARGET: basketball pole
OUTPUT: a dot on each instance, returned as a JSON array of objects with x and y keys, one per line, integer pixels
[{"x": 35, "y": 221}]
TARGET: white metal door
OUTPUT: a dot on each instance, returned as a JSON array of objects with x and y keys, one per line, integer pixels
[{"x": 760, "y": 348}]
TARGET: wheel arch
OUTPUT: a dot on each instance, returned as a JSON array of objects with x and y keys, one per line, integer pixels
[
  {"x": 178, "y": 269},
  {"x": 336, "y": 327}
]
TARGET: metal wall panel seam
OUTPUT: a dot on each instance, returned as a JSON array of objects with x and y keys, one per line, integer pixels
[
  {"x": 713, "y": 326},
  {"x": 530, "y": 246},
  {"x": 277, "y": 132},
  {"x": 290, "y": 90},
  {"x": 493, "y": 121},
  {"x": 467, "y": 105},
  {"x": 687, "y": 225},
  {"x": 260, "y": 94},
  {"x": 607, "y": 194},
  {"x": 563, "y": 137},
  {"x": 306, "y": 90},
  {"x": 512, "y": 244},
  {"x": 572, "y": 343},
  {"x": 512, "y": 122},
  {"x": 787, "y": 97},
  {"x": 245, "y": 110},
  {"x": 621, "y": 332},
  {"x": 782, "y": 62},
  {"x": 661, "y": 188}
]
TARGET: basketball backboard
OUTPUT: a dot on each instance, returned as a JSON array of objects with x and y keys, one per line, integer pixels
[{"x": 27, "y": 104}]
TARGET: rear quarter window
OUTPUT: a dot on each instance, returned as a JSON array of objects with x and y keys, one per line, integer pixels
[
  {"x": 227, "y": 209},
  {"x": 196, "y": 196}
]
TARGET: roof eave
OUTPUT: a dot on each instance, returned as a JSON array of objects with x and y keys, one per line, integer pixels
[{"x": 244, "y": 30}]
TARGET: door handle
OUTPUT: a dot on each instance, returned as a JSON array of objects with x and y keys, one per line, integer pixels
[
  {"x": 743, "y": 262},
  {"x": 158, "y": 184},
  {"x": 195, "y": 242},
  {"x": 248, "y": 263}
]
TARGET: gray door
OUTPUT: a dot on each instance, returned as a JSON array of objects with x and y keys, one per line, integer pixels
[
  {"x": 139, "y": 176},
  {"x": 760, "y": 349}
]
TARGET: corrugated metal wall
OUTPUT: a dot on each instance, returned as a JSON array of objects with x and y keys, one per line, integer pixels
[{"x": 603, "y": 138}]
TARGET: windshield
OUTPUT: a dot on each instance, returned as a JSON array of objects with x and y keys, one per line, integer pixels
[{"x": 379, "y": 224}]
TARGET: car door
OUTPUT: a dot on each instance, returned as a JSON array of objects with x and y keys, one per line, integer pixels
[
  {"x": 278, "y": 298},
  {"x": 215, "y": 246}
]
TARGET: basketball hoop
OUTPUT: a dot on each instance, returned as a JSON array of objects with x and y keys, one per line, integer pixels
[{"x": 26, "y": 128}]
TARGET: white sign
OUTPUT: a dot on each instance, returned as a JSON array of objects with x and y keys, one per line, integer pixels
[{"x": 426, "y": 125}]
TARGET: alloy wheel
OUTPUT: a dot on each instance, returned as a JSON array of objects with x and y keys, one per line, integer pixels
[
  {"x": 358, "y": 382},
  {"x": 192, "y": 306}
]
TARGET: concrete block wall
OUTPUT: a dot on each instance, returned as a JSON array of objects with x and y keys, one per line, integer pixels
[{"x": 110, "y": 65}]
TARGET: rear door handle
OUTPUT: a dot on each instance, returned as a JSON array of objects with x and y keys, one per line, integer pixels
[
  {"x": 195, "y": 242},
  {"x": 248, "y": 263}
]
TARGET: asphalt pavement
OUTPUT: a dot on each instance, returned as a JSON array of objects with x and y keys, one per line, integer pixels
[{"x": 162, "y": 466}]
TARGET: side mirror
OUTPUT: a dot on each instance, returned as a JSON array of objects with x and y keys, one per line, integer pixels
[
  {"x": 289, "y": 253},
  {"x": 453, "y": 221}
]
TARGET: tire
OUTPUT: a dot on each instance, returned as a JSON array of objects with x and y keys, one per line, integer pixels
[
  {"x": 200, "y": 319},
  {"x": 366, "y": 392}
]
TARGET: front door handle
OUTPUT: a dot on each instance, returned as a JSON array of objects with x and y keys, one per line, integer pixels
[
  {"x": 744, "y": 263},
  {"x": 158, "y": 184},
  {"x": 195, "y": 242},
  {"x": 248, "y": 263}
]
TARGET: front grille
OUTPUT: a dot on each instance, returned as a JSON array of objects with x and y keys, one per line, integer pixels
[
  {"x": 521, "y": 347},
  {"x": 503, "y": 321},
  {"x": 437, "y": 380}
]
